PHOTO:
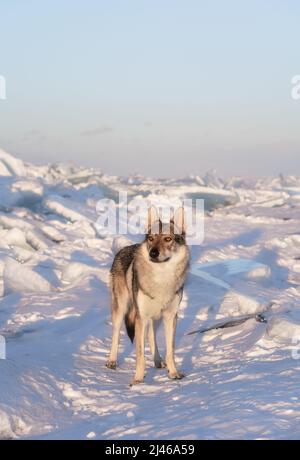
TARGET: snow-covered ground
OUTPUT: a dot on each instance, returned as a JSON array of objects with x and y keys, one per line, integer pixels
[{"x": 242, "y": 381}]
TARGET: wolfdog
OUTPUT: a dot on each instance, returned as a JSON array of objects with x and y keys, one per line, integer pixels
[{"x": 146, "y": 283}]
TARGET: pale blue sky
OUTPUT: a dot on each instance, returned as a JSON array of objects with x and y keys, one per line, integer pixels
[{"x": 161, "y": 87}]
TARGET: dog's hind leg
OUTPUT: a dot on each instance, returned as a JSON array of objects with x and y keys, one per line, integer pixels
[
  {"x": 158, "y": 362},
  {"x": 140, "y": 328},
  {"x": 119, "y": 309}
]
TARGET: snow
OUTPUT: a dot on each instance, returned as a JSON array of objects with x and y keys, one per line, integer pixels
[
  {"x": 242, "y": 379},
  {"x": 10, "y": 165},
  {"x": 60, "y": 206},
  {"x": 283, "y": 329},
  {"x": 20, "y": 278}
]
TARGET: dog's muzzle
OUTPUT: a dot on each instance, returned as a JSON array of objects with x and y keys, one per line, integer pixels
[
  {"x": 154, "y": 256},
  {"x": 154, "y": 253}
]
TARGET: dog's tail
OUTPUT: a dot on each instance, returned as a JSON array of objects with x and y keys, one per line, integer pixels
[{"x": 130, "y": 318}]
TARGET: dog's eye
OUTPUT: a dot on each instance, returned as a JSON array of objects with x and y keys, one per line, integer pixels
[
  {"x": 150, "y": 238},
  {"x": 168, "y": 239}
]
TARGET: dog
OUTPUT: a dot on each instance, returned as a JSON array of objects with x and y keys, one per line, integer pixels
[{"x": 146, "y": 284}]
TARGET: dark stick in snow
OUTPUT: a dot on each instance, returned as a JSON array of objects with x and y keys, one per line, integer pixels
[{"x": 231, "y": 323}]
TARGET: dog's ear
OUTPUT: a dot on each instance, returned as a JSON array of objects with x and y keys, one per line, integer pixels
[
  {"x": 179, "y": 221},
  {"x": 172, "y": 223},
  {"x": 153, "y": 224}
]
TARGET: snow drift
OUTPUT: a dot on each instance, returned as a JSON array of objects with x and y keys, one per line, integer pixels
[{"x": 242, "y": 379}]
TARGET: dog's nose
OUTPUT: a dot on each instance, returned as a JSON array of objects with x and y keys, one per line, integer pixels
[{"x": 154, "y": 253}]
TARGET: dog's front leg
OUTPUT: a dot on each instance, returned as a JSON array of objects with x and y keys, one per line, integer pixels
[
  {"x": 140, "y": 327},
  {"x": 158, "y": 362},
  {"x": 170, "y": 323}
]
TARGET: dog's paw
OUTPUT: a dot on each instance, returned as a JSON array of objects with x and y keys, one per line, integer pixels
[
  {"x": 111, "y": 365},
  {"x": 136, "y": 382},
  {"x": 176, "y": 375},
  {"x": 160, "y": 364}
]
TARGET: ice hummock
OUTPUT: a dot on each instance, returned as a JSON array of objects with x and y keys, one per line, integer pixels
[{"x": 242, "y": 381}]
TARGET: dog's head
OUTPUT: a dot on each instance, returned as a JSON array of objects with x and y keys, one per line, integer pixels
[{"x": 163, "y": 240}]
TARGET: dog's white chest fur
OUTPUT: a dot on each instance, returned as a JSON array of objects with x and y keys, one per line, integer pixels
[
  {"x": 153, "y": 308},
  {"x": 159, "y": 285}
]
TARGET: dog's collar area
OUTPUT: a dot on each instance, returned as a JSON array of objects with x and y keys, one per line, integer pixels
[{"x": 159, "y": 261}]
